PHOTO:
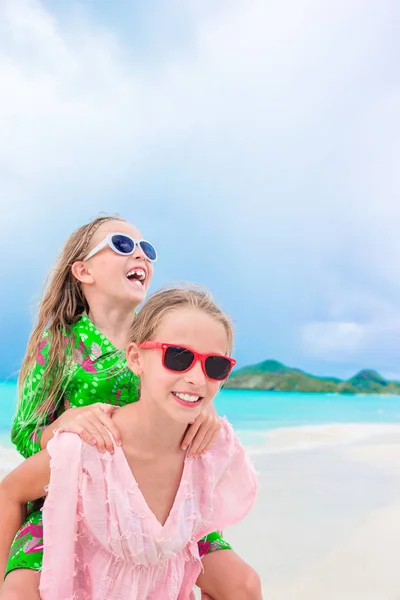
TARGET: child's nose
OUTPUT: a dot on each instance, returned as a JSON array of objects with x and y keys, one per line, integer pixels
[{"x": 196, "y": 376}]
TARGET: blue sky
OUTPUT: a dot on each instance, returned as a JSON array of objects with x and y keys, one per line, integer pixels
[{"x": 256, "y": 143}]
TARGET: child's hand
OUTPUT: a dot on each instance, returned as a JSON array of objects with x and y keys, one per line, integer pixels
[
  {"x": 203, "y": 432},
  {"x": 91, "y": 424}
]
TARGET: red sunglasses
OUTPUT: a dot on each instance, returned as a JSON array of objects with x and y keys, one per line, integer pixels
[{"x": 179, "y": 359}]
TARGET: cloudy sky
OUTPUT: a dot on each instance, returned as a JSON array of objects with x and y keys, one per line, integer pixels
[{"x": 255, "y": 142}]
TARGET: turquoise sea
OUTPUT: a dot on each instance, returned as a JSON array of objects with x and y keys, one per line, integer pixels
[{"x": 254, "y": 413}]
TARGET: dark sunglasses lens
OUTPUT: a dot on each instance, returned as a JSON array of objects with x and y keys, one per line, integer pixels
[
  {"x": 123, "y": 244},
  {"x": 217, "y": 367},
  {"x": 178, "y": 359},
  {"x": 148, "y": 250}
]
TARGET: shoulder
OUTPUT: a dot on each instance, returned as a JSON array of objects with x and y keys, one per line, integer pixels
[
  {"x": 64, "y": 443},
  {"x": 225, "y": 448},
  {"x": 43, "y": 349},
  {"x": 68, "y": 450},
  {"x": 227, "y": 439}
]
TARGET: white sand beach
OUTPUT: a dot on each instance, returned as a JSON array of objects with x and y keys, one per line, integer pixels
[
  {"x": 326, "y": 525},
  {"x": 327, "y": 521}
]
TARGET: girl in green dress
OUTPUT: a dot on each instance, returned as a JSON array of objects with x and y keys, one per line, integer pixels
[{"x": 74, "y": 376}]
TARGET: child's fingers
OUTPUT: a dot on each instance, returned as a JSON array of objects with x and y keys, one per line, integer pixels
[
  {"x": 109, "y": 424},
  {"x": 102, "y": 436},
  {"x": 209, "y": 440},
  {"x": 88, "y": 432},
  {"x": 108, "y": 409},
  {"x": 190, "y": 434},
  {"x": 198, "y": 440}
]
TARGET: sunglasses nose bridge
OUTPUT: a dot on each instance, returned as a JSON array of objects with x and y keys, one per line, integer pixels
[
  {"x": 196, "y": 374},
  {"x": 138, "y": 252}
]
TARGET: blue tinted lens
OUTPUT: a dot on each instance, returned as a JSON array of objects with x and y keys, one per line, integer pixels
[
  {"x": 123, "y": 244},
  {"x": 148, "y": 250}
]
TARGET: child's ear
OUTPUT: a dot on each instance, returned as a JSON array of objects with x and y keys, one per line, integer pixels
[
  {"x": 81, "y": 272},
  {"x": 133, "y": 358}
]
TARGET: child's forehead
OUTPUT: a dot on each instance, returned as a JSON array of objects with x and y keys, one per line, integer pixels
[
  {"x": 182, "y": 316},
  {"x": 191, "y": 326},
  {"x": 116, "y": 227}
]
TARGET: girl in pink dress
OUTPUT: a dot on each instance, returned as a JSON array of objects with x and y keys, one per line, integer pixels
[{"x": 125, "y": 525}]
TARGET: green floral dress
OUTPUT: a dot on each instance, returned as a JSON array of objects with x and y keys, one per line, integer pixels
[{"x": 99, "y": 373}]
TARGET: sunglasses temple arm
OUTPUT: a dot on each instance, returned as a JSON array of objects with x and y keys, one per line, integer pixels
[{"x": 97, "y": 249}]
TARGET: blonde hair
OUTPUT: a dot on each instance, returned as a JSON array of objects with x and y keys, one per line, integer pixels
[
  {"x": 61, "y": 305},
  {"x": 167, "y": 300}
]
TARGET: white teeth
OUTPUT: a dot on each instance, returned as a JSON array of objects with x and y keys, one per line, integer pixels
[
  {"x": 187, "y": 397},
  {"x": 140, "y": 274}
]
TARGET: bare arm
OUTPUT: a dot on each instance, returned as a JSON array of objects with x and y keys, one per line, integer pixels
[{"x": 23, "y": 484}]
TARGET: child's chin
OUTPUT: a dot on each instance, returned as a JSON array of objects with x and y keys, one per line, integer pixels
[
  {"x": 137, "y": 295},
  {"x": 184, "y": 418}
]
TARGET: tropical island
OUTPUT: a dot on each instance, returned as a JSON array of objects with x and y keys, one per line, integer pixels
[{"x": 272, "y": 375}]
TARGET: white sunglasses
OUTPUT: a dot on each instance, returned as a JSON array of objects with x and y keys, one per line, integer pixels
[{"x": 125, "y": 245}]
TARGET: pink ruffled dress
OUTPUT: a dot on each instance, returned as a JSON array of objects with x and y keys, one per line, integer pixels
[{"x": 101, "y": 540}]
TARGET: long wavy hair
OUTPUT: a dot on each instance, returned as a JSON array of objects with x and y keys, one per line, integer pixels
[{"x": 61, "y": 305}]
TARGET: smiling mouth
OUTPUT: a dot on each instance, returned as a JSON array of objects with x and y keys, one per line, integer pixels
[
  {"x": 189, "y": 400},
  {"x": 137, "y": 276}
]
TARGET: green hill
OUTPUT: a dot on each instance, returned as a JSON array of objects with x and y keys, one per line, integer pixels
[{"x": 271, "y": 375}]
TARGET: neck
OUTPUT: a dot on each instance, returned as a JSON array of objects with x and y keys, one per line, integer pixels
[
  {"x": 154, "y": 430},
  {"x": 113, "y": 322}
]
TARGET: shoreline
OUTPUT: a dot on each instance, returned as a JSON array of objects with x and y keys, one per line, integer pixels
[{"x": 309, "y": 437}]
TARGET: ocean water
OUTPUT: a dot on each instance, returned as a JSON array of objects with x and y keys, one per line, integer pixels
[{"x": 254, "y": 413}]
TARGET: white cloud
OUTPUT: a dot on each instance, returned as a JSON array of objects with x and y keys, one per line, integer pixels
[
  {"x": 332, "y": 339},
  {"x": 257, "y": 82},
  {"x": 355, "y": 343},
  {"x": 280, "y": 123}
]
